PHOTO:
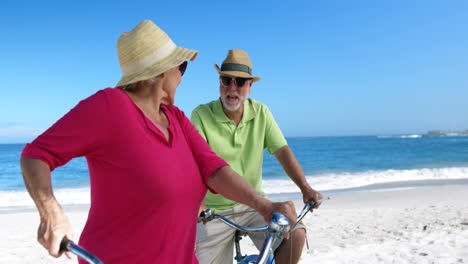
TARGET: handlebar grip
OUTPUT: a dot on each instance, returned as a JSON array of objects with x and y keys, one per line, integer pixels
[
  {"x": 65, "y": 244},
  {"x": 69, "y": 245}
]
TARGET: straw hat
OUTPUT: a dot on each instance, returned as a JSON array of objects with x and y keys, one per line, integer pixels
[
  {"x": 237, "y": 63},
  {"x": 147, "y": 51}
]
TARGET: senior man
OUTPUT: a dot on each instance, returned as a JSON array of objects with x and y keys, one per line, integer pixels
[{"x": 238, "y": 129}]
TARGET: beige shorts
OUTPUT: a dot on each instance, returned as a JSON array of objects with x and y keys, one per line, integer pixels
[{"x": 215, "y": 240}]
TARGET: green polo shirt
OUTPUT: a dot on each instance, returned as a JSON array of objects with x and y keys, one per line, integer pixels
[{"x": 241, "y": 146}]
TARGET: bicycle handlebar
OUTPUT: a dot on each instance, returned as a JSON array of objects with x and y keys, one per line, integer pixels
[
  {"x": 68, "y": 245},
  {"x": 279, "y": 225},
  {"x": 209, "y": 215}
]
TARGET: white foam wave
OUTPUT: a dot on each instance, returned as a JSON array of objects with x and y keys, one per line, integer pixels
[
  {"x": 353, "y": 180},
  {"x": 411, "y": 136},
  {"x": 64, "y": 197},
  {"x": 402, "y": 136},
  {"x": 80, "y": 196}
]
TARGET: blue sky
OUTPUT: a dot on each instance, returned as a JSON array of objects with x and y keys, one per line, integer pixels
[{"x": 328, "y": 68}]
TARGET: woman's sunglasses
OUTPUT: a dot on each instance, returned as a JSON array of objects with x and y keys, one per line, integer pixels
[
  {"x": 182, "y": 68},
  {"x": 239, "y": 82}
]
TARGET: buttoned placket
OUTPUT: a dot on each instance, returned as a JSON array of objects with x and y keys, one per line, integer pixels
[
  {"x": 156, "y": 132},
  {"x": 237, "y": 139}
]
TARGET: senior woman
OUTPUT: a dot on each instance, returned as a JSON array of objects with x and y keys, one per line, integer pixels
[{"x": 149, "y": 168}]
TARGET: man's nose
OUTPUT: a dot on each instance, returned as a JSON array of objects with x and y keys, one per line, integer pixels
[{"x": 232, "y": 86}]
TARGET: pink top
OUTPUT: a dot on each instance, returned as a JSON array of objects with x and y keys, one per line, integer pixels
[{"x": 145, "y": 191}]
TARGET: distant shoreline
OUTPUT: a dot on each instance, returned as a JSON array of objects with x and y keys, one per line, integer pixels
[{"x": 399, "y": 135}]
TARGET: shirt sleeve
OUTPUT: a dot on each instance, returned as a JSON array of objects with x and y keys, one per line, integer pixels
[
  {"x": 207, "y": 160},
  {"x": 78, "y": 133},
  {"x": 274, "y": 138},
  {"x": 196, "y": 121}
]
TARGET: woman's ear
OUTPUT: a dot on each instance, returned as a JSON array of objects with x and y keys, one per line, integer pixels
[{"x": 161, "y": 75}]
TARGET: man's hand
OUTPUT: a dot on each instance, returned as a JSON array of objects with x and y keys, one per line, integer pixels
[
  {"x": 52, "y": 229},
  {"x": 311, "y": 195}
]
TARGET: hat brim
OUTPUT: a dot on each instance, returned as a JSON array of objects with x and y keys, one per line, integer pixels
[
  {"x": 177, "y": 57},
  {"x": 237, "y": 74}
]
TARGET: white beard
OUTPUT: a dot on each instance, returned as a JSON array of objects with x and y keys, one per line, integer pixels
[{"x": 231, "y": 107}]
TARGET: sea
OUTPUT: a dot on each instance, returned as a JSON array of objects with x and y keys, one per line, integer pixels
[{"x": 332, "y": 165}]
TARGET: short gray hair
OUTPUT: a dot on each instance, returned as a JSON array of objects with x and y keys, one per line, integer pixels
[{"x": 133, "y": 86}]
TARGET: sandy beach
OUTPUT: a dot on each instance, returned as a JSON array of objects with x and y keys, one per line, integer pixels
[
  {"x": 422, "y": 225},
  {"x": 419, "y": 225}
]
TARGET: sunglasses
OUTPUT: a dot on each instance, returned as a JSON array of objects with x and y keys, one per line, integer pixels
[
  {"x": 239, "y": 82},
  {"x": 182, "y": 68}
]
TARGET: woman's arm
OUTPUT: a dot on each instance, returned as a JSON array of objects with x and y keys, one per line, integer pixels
[
  {"x": 54, "y": 225},
  {"x": 231, "y": 185}
]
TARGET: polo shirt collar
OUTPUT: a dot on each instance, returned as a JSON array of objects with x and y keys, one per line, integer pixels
[{"x": 249, "y": 112}]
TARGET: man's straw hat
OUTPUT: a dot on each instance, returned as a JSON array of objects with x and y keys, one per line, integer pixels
[
  {"x": 147, "y": 51},
  {"x": 237, "y": 63}
]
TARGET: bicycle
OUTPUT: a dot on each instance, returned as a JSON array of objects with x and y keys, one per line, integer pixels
[{"x": 278, "y": 226}]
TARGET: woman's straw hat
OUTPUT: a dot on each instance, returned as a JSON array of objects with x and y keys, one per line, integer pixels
[
  {"x": 237, "y": 63},
  {"x": 147, "y": 51}
]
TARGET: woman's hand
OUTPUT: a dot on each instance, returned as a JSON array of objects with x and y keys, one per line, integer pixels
[
  {"x": 52, "y": 229},
  {"x": 202, "y": 208},
  {"x": 54, "y": 224},
  {"x": 286, "y": 208}
]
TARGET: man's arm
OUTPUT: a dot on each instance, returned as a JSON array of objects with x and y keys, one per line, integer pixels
[{"x": 291, "y": 166}]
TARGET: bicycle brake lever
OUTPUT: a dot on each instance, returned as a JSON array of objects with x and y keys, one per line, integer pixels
[
  {"x": 206, "y": 216},
  {"x": 314, "y": 203},
  {"x": 309, "y": 206}
]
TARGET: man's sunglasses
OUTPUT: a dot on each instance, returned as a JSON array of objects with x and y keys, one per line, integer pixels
[
  {"x": 239, "y": 82},
  {"x": 182, "y": 68}
]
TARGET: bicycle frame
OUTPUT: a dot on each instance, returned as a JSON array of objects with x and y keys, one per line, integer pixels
[{"x": 246, "y": 259}]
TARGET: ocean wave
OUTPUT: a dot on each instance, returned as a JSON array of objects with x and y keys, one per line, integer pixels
[
  {"x": 323, "y": 182},
  {"x": 338, "y": 181},
  {"x": 402, "y": 136},
  {"x": 79, "y": 196}
]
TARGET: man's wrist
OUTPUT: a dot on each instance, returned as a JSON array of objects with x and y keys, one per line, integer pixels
[{"x": 305, "y": 187}]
